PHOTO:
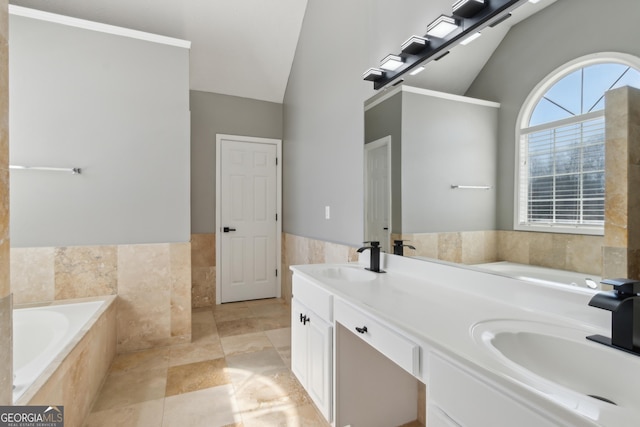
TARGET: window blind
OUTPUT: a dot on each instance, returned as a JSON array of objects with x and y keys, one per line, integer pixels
[{"x": 562, "y": 173}]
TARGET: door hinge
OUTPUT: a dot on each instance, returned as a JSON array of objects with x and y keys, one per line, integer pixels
[
  {"x": 276, "y": 161},
  {"x": 276, "y": 217},
  {"x": 276, "y": 272}
]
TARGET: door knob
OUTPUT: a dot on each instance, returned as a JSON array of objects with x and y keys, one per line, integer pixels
[{"x": 228, "y": 229}]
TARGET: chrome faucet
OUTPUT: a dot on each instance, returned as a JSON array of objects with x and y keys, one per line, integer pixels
[
  {"x": 374, "y": 256},
  {"x": 624, "y": 304},
  {"x": 398, "y": 247}
]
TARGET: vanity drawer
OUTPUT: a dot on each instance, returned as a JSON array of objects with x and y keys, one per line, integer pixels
[
  {"x": 313, "y": 296},
  {"x": 387, "y": 341}
]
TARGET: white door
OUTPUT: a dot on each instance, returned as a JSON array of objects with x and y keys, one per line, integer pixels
[
  {"x": 378, "y": 192},
  {"x": 247, "y": 219}
]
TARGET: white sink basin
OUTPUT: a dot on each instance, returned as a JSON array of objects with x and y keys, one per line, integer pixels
[
  {"x": 348, "y": 274},
  {"x": 548, "y": 356}
]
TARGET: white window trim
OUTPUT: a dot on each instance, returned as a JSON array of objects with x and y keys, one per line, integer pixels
[{"x": 522, "y": 123}]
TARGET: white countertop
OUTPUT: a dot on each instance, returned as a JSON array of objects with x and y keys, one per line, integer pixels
[{"x": 437, "y": 304}]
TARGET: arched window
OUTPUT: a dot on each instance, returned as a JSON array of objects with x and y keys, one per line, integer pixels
[{"x": 561, "y": 139}]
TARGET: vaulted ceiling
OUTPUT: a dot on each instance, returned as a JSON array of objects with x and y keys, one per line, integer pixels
[{"x": 246, "y": 48}]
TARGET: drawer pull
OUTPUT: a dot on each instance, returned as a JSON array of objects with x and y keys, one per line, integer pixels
[{"x": 362, "y": 330}]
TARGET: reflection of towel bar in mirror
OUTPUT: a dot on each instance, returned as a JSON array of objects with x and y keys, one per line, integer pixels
[
  {"x": 471, "y": 187},
  {"x": 75, "y": 171}
]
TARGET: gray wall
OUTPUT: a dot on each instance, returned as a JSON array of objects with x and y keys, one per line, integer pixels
[
  {"x": 438, "y": 142},
  {"x": 447, "y": 142},
  {"x": 323, "y": 109},
  {"x": 323, "y": 125},
  {"x": 323, "y": 102},
  {"x": 114, "y": 106},
  {"x": 379, "y": 121},
  {"x": 212, "y": 114},
  {"x": 566, "y": 30}
]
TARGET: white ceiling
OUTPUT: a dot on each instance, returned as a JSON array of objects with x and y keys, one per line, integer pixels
[{"x": 238, "y": 47}]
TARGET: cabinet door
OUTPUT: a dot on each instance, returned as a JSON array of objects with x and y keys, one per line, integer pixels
[
  {"x": 320, "y": 340},
  {"x": 471, "y": 401},
  {"x": 299, "y": 342},
  {"x": 437, "y": 418}
]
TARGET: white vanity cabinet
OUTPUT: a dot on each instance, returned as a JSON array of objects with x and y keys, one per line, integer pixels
[
  {"x": 366, "y": 347},
  {"x": 399, "y": 349},
  {"x": 459, "y": 397},
  {"x": 312, "y": 342},
  {"x": 376, "y": 370}
]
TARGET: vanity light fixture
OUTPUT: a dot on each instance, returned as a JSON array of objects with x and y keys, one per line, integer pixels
[
  {"x": 534, "y": 1},
  {"x": 442, "y": 26},
  {"x": 418, "y": 70},
  {"x": 373, "y": 74},
  {"x": 471, "y": 38},
  {"x": 391, "y": 62},
  {"x": 469, "y": 18},
  {"x": 414, "y": 45},
  {"x": 442, "y": 56},
  {"x": 502, "y": 19},
  {"x": 468, "y": 8}
]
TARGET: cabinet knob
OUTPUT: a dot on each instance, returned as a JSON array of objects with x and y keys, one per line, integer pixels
[{"x": 362, "y": 330}]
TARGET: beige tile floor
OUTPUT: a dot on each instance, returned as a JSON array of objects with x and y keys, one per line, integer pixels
[{"x": 235, "y": 372}]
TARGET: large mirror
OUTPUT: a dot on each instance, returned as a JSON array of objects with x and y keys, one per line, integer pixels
[{"x": 440, "y": 149}]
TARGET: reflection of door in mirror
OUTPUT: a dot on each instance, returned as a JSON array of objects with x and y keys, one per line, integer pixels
[{"x": 377, "y": 179}]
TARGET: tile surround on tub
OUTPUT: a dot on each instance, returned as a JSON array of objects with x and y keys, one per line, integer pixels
[
  {"x": 145, "y": 292},
  {"x": 86, "y": 271},
  {"x": 33, "y": 274},
  {"x": 75, "y": 383},
  {"x": 153, "y": 282}
]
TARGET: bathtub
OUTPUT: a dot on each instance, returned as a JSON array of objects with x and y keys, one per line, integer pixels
[
  {"x": 44, "y": 336},
  {"x": 543, "y": 275}
]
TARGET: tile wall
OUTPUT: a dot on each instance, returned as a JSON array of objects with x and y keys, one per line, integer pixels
[
  {"x": 295, "y": 250},
  {"x": 298, "y": 250},
  {"x": 468, "y": 247},
  {"x": 561, "y": 251},
  {"x": 622, "y": 156},
  {"x": 203, "y": 270},
  {"x": 152, "y": 282},
  {"x": 571, "y": 252},
  {"x": 6, "y": 329}
]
